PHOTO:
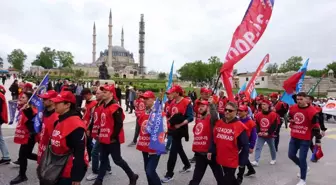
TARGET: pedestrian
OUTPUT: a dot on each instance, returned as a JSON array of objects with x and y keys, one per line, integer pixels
[
  {"x": 221, "y": 104},
  {"x": 127, "y": 92},
  {"x": 3, "y": 78},
  {"x": 118, "y": 92},
  {"x": 78, "y": 92},
  {"x": 151, "y": 157},
  {"x": 3, "y": 119},
  {"x": 131, "y": 98},
  {"x": 112, "y": 135},
  {"x": 139, "y": 106},
  {"x": 14, "y": 89}
]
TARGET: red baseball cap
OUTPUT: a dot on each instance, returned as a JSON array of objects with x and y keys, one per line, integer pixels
[
  {"x": 243, "y": 108},
  {"x": 203, "y": 102},
  {"x": 274, "y": 95},
  {"x": 266, "y": 101},
  {"x": 2, "y": 89},
  {"x": 205, "y": 90},
  {"x": 49, "y": 94},
  {"x": 28, "y": 85},
  {"x": 64, "y": 96},
  {"x": 177, "y": 89},
  {"x": 107, "y": 88},
  {"x": 148, "y": 94}
]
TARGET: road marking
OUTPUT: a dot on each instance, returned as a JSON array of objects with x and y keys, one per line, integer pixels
[{"x": 331, "y": 136}]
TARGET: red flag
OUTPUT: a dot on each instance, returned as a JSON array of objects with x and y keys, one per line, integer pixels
[
  {"x": 251, "y": 84},
  {"x": 290, "y": 84},
  {"x": 245, "y": 37}
]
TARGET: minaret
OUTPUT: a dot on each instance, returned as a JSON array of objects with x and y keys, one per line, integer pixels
[
  {"x": 94, "y": 43},
  {"x": 109, "y": 57},
  {"x": 122, "y": 37},
  {"x": 142, "y": 44}
]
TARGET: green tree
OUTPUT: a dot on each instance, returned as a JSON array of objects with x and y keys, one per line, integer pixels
[
  {"x": 162, "y": 76},
  {"x": 214, "y": 65},
  {"x": 272, "y": 68},
  {"x": 331, "y": 66},
  {"x": 292, "y": 64},
  {"x": 1, "y": 62},
  {"x": 66, "y": 59},
  {"x": 79, "y": 73},
  {"x": 46, "y": 59},
  {"x": 316, "y": 73},
  {"x": 16, "y": 59},
  {"x": 195, "y": 71}
]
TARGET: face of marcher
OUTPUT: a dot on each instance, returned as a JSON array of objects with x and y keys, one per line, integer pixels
[
  {"x": 62, "y": 107},
  {"x": 202, "y": 108},
  {"x": 23, "y": 99},
  {"x": 230, "y": 112},
  {"x": 265, "y": 106},
  {"x": 301, "y": 101}
]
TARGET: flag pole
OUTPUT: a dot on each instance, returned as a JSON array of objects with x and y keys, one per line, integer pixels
[{"x": 39, "y": 85}]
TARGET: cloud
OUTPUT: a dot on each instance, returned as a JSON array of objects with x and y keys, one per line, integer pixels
[{"x": 183, "y": 31}]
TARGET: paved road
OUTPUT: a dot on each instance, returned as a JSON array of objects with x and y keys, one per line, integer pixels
[{"x": 283, "y": 173}]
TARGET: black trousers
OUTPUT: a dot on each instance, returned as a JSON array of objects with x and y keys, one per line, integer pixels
[
  {"x": 136, "y": 132},
  {"x": 127, "y": 104},
  {"x": 25, "y": 153},
  {"x": 230, "y": 176},
  {"x": 176, "y": 148},
  {"x": 79, "y": 100},
  {"x": 277, "y": 136},
  {"x": 89, "y": 146},
  {"x": 202, "y": 163},
  {"x": 131, "y": 106},
  {"x": 241, "y": 170}
]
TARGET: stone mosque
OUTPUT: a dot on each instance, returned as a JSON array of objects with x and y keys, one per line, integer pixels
[{"x": 117, "y": 58}]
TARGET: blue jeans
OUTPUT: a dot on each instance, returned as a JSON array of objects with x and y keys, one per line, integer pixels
[
  {"x": 151, "y": 162},
  {"x": 301, "y": 161},
  {"x": 95, "y": 158},
  {"x": 3, "y": 146},
  {"x": 260, "y": 144}
]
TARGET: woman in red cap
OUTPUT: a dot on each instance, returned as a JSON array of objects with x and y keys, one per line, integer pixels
[
  {"x": 67, "y": 137},
  {"x": 25, "y": 136}
]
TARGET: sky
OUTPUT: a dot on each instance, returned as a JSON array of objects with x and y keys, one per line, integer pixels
[{"x": 183, "y": 31}]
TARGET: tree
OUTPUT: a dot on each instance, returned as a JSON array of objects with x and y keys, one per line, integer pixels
[
  {"x": 331, "y": 66},
  {"x": 162, "y": 76},
  {"x": 292, "y": 64},
  {"x": 214, "y": 65},
  {"x": 272, "y": 68},
  {"x": 1, "y": 62},
  {"x": 79, "y": 73},
  {"x": 195, "y": 71},
  {"x": 46, "y": 59},
  {"x": 16, "y": 59},
  {"x": 316, "y": 73},
  {"x": 65, "y": 59}
]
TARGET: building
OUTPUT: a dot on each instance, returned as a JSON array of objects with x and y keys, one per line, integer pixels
[{"x": 261, "y": 81}]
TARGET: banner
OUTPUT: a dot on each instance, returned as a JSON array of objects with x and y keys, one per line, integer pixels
[
  {"x": 254, "y": 92},
  {"x": 170, "y": 82},
  {"x": 246, "y": 37},
  {"x": 156, "y": 130},
  {"x": 37, "y": 102},
  {"x": 251, "y": 84},
  {"x": 330, "y": 108},
  {"x": 287, "y": 98},
  {"x": 12, "y": 107},
  {"x": 312, "y": 89}
]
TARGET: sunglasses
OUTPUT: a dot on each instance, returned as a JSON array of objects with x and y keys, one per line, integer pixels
[{"x": 229, "y": 110}]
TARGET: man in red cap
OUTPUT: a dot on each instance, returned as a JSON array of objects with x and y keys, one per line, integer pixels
[
  {"x": 281, "y": 109},
  {"x": 3, "y": 119},
  {"x": 111, "y": 135},
  {"x": 181, "y": 115},
  {"x": 49, "y": 119},
  {"x": 221, "y": 104}
]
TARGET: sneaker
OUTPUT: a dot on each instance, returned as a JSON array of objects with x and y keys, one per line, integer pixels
[
  {"x": 192, "y": 160},
  {"x": 5, "y": 161},
  {"x": 299, "y": 174},
  {"x": 301, "y": 182},
  {"x": 167, "y": 179},
  {"x": 255, "y": 163},
  {"x": 92, "y": 177},
  {"x": 98, "y": 182},
  {"x": 18, "y": 180},
  {"x": 273, "y": 162},
  {"x": 134, "y": 179},
  {"x": 239, "y": 180},
  {"x": 109, "y": 172},
  {"x": 15, "y": 164},
  {"x": 250, "y": 173},
  {"x": 131, "y": 144},
  {"x": 186, "y": 169}
]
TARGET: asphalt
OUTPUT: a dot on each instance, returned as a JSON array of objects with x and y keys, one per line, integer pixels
[{"x": 283, "y": 173}]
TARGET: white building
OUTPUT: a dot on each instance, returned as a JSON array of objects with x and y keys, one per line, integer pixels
[{"x": 261, "y": 81}]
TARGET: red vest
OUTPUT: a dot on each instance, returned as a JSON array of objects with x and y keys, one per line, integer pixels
[
  {"x": 301, "y": 127},
  {"x": 144, "y": 137},
  {"x": 279, "y": 108},
  {"x": 225, "y": 138},
  {"x": 250, "y": 124},
  {"x": 265, "y": 121},
  {"x": 96, "y": 120},
  {"x": 139, "y": 105},
  {"x": 107, "y": 124},
  {"x": 58, "y": 141},
  {"x": 46, "y": 132},
  {"x": 180, "y": 107},
  {"x": 221, "y": 105},
  {"x": 4, "y": 112},
  {"x": 87, "y": 115},
  {"x": 21, "y": 132},
  {"x": 167, "y": 109},
  {"x": 202, "y": 133}
]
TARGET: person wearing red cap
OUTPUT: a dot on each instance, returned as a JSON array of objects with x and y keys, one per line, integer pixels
[
  {"x": 230, "y": 143},
  {"x": 25, "y": 136},
  {"x": 167, "y": 111},
  {"x": 151, "y": 158},
  {"x": 202, "y": 141},
  {"x": 221, "y": 104},
  {"x": 267, "y": 122},
  {"x": 49, "y": 118},
  {"x": 68, "y": 138},
  {"x": 181, "y": 115},
  {"x": 3, "y": 119},
  {"x": 111, "y": 135},
  {"x": 139, "y": 108},
  {"x": 281, "y": 109},
  {"x": 252, "y": 134}
]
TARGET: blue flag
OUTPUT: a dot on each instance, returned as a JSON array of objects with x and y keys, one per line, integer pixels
[
  {"x": 170, "y": 82},
  {"x": 254, "y": 92},
  {"x": 12, "y": 106},
  {"x": 287, "y": 98},
  {"x": 155, "y": 129},
  {"x": 37, "y": 102}
]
